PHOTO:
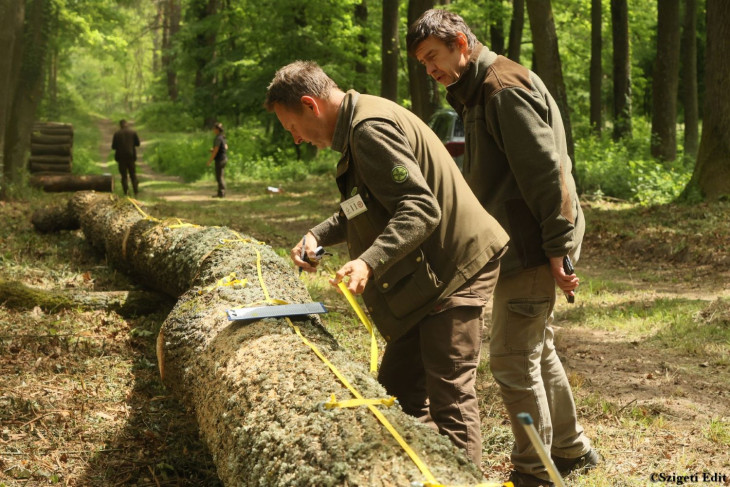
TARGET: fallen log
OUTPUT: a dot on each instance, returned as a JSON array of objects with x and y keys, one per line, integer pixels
[
  {"x": 56, "y": 125},
  {"x": 50, "y": 149},
  {"x": 54, "y": 218},
  {"x": 256, "y": 388},
  {"x": 58, "y": 183},
  {"x": 17, "y": 295},
  {"x": 58, "y": 132},
  {"x": 39, "y": 138},
  {"x": 50, "y": 159},
  {"x": 36, "y": 167}
]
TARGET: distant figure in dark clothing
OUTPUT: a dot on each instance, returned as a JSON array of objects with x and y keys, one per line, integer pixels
[
  {"x": 219, "y": 153},
  {"x": 124, "y": 145}
]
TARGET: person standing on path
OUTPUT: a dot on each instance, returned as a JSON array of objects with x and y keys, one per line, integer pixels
[
  {"x": 425, "y": 254},
  {"x": 124, "y": 145},
  {"x": 219, "y": 154},
  {"x": 517, "y": 164}
]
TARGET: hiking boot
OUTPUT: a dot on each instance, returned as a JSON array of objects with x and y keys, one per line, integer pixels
[
  {"x": 520, "y": 479},
  {"x": 581, "y": 464}
]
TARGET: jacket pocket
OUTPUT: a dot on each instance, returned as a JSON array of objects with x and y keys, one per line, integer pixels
[
  {"x": 527, "y": 322},
  {"x": 525, "y": 234},
  {"x": 409, "y": 285}
]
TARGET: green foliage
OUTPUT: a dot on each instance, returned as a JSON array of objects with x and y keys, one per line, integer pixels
[
  {"x": 625, "y": 169},
  {"x": 166, "y": 116}
]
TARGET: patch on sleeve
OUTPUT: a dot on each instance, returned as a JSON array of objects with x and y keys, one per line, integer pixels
[{"x": 399, "y": 173}]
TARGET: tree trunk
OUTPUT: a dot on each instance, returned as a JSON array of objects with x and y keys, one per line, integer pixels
[
  {"x": 361, "y": 21},
  {"x": 59, "y": 183},
  {"x": 424, "y": 89},
  {"x": 17, "y": 295},
  {"x": 712, "y": 171},
  {"x": 256, "y": 387},
  {"x": 496, "y": 26},
  {"x": 390, "y": 50},
  {"x": 621, "y": 70},
  {"x": 29, "y": 89},
  {"x": 545, "y": 42},
  {"x": 596, "y": 72},
  {"x": 688, "y": 72},
  {"x": 665, "y": 81},
  {"x": 171, "y": 27},
  {"x": 515, "y": 30},
  {"x": 205, "y": 53}
]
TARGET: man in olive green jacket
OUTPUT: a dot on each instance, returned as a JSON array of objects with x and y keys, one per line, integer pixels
[
  {"x": 425, "y": 254},
  {"x": 516, "y": 163}
]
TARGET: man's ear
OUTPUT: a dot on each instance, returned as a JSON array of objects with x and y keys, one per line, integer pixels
[
  {"x": 310, "y": 103},
  {"x": 461, "y": 42}
]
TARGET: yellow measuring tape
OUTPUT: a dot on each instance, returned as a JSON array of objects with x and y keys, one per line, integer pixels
[
  {"x": 364, "y": 320},
  {"x": 229, "y": 280},
  {"x": 353, "y": 403}
]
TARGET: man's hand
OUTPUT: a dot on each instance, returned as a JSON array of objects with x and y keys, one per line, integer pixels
[
  {"x": 566, "y": 283},
  {"x": 359, "y": 273},
  {"x": 310, "y": 245}
]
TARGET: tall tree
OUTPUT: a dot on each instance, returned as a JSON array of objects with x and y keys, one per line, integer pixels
[
  {"x": 205, "y": 54},
  {"x": 515, "y": 30},
  {"x": 30, "y": 54},
  {"x": 549, "y": 67},
  {"x": 665, "y": 82},
  {"x": 361, "y": 20},
  {"x": 389, "y": 51},
  {"x": 712, "y": 171},
  {"x": 424, "y": 91},
  {"x": 621, "y": 69},
  {"x": 688, "y": 51},
  {"x": 596, "y": 71},
  {"x": 12, "y": 12},
  {"x": 171, "y": 26},
  {"x": 496, "y": 26}
]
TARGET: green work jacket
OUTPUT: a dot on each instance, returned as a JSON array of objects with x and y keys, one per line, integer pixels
[
  {"x": 516, "y": 159},
  {"x": 423, "y": 233}
]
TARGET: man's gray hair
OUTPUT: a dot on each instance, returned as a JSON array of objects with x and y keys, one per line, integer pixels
[
  {"x": 441, "y": 24},
  {"x": 295, "y": 80}
]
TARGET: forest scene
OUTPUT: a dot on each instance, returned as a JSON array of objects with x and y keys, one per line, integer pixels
[{"x": 118, "y": 364}]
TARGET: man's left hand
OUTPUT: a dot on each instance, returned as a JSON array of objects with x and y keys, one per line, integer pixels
[
  {"x": 359, "y": 273},
  {"x": 566, "y": 283}
]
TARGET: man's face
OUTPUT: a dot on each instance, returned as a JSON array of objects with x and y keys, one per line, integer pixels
[
  {"x": 305, "y": 126},
  {"x": 443, "y": 64}
]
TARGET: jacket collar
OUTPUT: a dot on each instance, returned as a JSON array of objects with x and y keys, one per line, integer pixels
[
  {"x": 465, "y": 90},
  {"x": 341, "y": 137}
]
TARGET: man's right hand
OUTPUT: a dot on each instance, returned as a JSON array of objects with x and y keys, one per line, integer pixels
[{"x": 310, "y": 246}]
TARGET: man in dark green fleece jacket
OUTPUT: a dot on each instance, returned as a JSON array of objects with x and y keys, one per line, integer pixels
[
  {"x": 517, "y": 164},
  {"x": 425, "y": 253}
]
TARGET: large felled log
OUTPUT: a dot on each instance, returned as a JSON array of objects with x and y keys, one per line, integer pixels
[
  {"x": 256, "y": 387},
  {"x": 36, "y": 167},
  {"x": 54, "y": 125},
  {"x": 50, "y": 149},
  {"x": 50, "y": 159},
  {"x": 39, "y": 138},
  {"x": 17, "y": 295},
  {"x": 57, "y": 183}
]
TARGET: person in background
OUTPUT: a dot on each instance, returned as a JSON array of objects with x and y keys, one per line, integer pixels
[
  {"x": 219, "y": 154},
  {"x": 425, "y": 254},
  {"x": 517, "y": 164},
  {"x": 124, "y": 145}
]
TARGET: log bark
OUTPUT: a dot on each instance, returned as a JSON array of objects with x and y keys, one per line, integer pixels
[
  {"x": 50, "y": 149},
  {"x": 36, "y": 167},
  {"x": 59, "y": 183},
  {"x": 40, "y": 138},
  {"x": 54, "y": 218},
  {"x": 255, "y": 387},
  {"x": 59, "y": 132},
  {"x": 50, "y": 159},
  {"x": 54, "y": 125},
  {"x": 17, "y": 295}
]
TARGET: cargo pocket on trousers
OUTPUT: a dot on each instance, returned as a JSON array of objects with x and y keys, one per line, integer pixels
[{"x": 527, "y": 321}]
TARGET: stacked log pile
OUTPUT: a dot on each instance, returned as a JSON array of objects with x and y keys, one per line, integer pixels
[
  {"x": 256, "y": 388},
  {"x": 51, "y": 148}
]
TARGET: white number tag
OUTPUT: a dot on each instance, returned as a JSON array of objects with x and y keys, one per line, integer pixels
[{"x": 353, "y": 207}]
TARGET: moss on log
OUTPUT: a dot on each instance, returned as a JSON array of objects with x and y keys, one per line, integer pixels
[
  {"x": 17, "y": 295},
  {"x": 256, "y": 387}
]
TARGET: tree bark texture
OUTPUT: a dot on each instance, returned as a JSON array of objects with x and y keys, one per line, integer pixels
[
  {"x": 550, "y": 69},
  {"x": 39, "y": 138},
  {"x": 423, "y": 88},
  {"x": 51, "y": 159},
  {"x": 17, "y": 295},
  {"x": 596, "y": 71},
  {"x": 12, "y": 12},
  {"x": 58, "y": 183},
  {"x": 50, "y": 149},
  {"x": 665, "y": 82},
  {"x": 690, "y": 104},
  {"x": 390, "y": 51},
  {"x": 256, "y": 387},
  {"x": 621, "y": 70},
  {"x": 712, "y": 171},
  {"x": 515, "y": 30},
  {"x": 39, "y": 167}
]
